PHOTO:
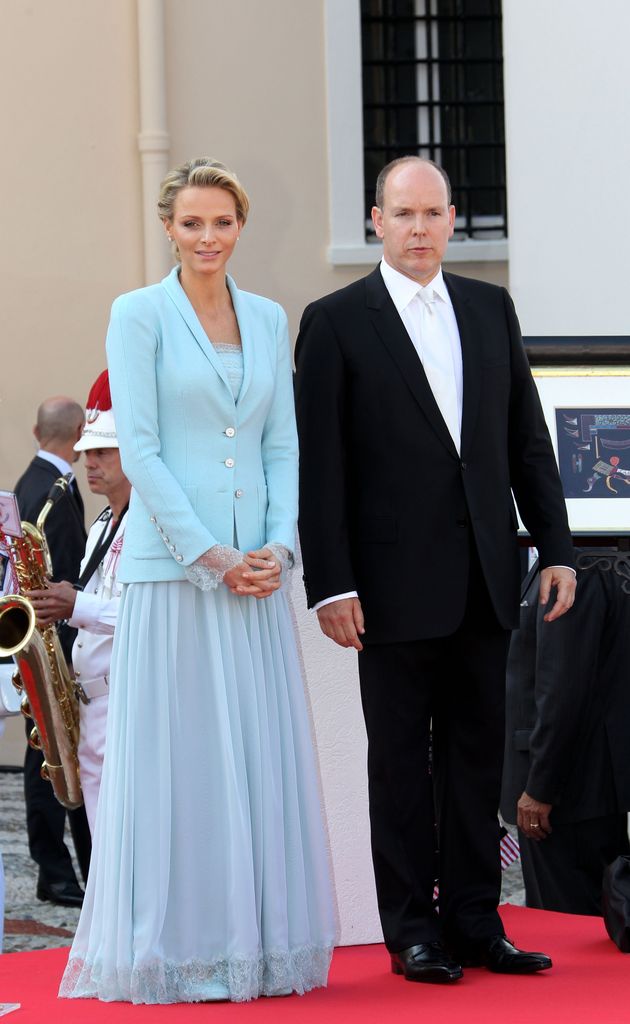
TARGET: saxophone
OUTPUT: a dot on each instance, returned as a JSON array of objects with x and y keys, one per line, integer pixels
[{"x": 50, "y": 694}]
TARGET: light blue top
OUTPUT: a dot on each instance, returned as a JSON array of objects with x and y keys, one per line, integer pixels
[
  {"x": 232, "y": 358},
  {"x": 200, "y": 460}
]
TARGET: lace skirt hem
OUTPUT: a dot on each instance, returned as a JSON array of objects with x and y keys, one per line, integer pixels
[{"x": 163, "y": 981}]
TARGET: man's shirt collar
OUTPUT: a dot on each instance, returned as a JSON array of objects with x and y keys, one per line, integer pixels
[
  {"x": 403, "y": 290},
  {"x": 61, "y": 464}
]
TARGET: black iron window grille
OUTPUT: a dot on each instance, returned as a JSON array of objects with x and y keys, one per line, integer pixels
[{"x": 433, "y": 85}]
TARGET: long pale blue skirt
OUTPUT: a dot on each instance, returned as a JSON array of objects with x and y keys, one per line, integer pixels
[{"x": 210, "y": 869}]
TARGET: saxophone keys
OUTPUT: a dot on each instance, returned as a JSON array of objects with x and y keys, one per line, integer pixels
[{"x": 34, "y": 739}]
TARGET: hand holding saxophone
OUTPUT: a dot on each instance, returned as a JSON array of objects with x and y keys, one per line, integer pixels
[{"x": 54, "y": 603}]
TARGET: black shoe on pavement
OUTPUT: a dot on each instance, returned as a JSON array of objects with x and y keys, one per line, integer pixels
[{"x": 64, "y": 894}]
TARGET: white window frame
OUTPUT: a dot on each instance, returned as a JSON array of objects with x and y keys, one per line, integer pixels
[{"x": 348, "y": 246}]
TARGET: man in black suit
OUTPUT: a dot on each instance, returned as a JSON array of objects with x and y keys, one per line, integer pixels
[
  {"x": 58, "y": 428},
  {"x": 568, "y": 736},
  {"x": 418, "y": 417}
]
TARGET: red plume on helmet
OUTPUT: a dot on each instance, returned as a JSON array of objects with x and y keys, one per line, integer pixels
[{"x": 99, "y": 430}]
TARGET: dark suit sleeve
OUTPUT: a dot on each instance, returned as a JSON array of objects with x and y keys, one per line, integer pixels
[
  {"x": 321, "y": 413},
  {"x": 566, "y": 667},
  {"x": 533, "y": 468},
  {"x": 66, "y": 541}
]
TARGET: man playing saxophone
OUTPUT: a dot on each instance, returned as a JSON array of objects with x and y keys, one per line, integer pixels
[{"x": 91, "y": 605}]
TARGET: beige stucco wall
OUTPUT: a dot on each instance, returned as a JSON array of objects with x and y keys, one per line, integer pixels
[{"x": 69, "y": 183}]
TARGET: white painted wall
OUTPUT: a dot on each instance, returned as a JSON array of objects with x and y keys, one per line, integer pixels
[{"x": 567, "y": 110}]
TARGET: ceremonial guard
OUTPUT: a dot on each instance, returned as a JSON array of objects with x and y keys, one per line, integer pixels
[{"x": 91, "y": 604}]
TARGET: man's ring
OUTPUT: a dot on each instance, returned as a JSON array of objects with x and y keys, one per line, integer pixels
[{"x": 533, "y": 825}]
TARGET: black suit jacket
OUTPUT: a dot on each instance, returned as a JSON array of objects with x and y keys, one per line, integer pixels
[
  {"x": 387, "y": 504},
  {"x": 64, "y": 527},
  {"x": 568, "y": 699}
]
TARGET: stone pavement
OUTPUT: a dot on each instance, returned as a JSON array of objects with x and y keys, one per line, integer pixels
[{"x": 30, "y": 924}]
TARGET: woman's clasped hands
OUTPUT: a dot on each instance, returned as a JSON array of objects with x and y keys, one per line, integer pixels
[
  {"x": 254, "y": 574},
  {"x": 258, "y": 575}
]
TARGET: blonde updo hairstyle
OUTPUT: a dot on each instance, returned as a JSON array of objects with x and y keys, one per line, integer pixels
[{"x": 201, "y": 173}]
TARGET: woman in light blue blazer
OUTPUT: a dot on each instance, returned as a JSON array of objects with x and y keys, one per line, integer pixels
[{"x": 209, "y": 876}]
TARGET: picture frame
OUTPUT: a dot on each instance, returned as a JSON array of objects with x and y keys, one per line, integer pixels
[
  {"x": 9, "y": 515},
  {"x": 587, "y": 411}
]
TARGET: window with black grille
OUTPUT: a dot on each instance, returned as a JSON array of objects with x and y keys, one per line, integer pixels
[{"x": 433, "y": 85}]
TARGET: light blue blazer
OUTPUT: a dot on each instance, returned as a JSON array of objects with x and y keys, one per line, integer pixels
[{"x": 202, "y": 466}]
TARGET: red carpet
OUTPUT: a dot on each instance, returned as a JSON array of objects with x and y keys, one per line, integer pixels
[{"x": 589, "y": 984}]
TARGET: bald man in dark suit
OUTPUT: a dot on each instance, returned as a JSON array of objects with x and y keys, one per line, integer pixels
[{"x": 418, "y": 419}]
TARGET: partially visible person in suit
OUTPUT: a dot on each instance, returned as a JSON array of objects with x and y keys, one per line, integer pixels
[
  {"x": 58, "y": 428},
  {"x": 566, "y": 779},
  {"x": 92, "y": 606},
  {"x": 418, "y": 417}
]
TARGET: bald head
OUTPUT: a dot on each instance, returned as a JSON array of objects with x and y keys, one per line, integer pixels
[
  {"x": 59, "y": 423},
  {"x": 401, "y": 161}
]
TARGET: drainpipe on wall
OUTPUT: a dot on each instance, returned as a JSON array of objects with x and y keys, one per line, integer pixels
[{"x": 153, "y": 138}]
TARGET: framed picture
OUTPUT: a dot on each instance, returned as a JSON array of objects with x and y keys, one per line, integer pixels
[
  {"x": 9, "y": 515},
  {"x": 587, "y": 409}
]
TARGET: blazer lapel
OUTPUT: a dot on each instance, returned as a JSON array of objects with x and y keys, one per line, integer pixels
[
  {"x": 471, "y": 359},
  {"x": 181, "y": 301},
  {"x": 393, "y": 334}
]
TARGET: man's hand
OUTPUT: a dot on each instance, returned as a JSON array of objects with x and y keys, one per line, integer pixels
[
  {"x": 564, "y": 580},
  {"x": 533, "y": 817},
  {"x": 342, "y": 621},
  {"x": 54, "y": 603}
]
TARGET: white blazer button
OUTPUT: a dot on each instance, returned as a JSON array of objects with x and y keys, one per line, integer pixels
[
  {"x": 173, "y": 548},
  {"x": 153, "y": 519},
  {"x": 238, "y": 493},
  {"x": 166, "y": 539},
  {"x": 229, "y": 463},
  {"x": 230, "y": 431},
  {"x": 179, "y": 558}
]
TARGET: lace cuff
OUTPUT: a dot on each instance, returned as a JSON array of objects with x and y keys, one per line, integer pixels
[
  {"x": 208, "y": 571},
  {"x": 282, "y": 555}
]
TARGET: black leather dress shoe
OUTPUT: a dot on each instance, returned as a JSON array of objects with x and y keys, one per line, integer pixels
[
  {"x": 426, "y": 962},
  {"x": 64, "y": 894},
  {"x": 499, "y": 955}
]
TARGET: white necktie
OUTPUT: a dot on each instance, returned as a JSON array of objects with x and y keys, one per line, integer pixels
[{"x": 437, "y": 361}]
